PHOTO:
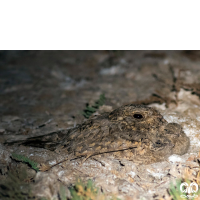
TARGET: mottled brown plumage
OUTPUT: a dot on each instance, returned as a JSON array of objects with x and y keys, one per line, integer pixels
[{"x": 134, "y": 132}]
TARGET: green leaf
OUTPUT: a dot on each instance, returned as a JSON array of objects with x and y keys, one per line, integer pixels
[
  {"x": 25, "y": 159},
  {"x": 91, "y": 109}
]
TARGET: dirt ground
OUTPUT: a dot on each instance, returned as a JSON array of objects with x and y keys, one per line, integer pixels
[{"x": 45, "y": 91}]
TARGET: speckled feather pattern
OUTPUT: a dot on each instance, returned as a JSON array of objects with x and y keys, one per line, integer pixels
[
  {"x": 121, "y": 133},
  {"x": 135, "y": 132}
]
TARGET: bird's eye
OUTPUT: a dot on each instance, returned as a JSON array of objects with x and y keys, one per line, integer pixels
[
  {"x": 158, "y": 142},
  {"x": 138, "y": 116}
]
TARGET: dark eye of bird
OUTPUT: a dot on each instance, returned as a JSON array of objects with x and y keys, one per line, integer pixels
[
  {"x": 158, "y": 142},
  {"x": 138, "y": 116}
]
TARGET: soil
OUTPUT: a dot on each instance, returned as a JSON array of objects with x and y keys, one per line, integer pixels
[{"x": 46, "y": 91}]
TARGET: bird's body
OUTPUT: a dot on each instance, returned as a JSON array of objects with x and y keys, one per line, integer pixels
[{"x": 134, "y": 132}]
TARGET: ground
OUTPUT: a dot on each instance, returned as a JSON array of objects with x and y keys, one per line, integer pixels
[{"x": 46, "y": 91}]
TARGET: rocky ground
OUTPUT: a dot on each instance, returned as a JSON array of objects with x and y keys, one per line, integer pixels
[{"x": 46, "y": 91}]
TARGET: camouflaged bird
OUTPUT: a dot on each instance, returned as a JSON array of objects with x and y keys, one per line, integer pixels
[{"x": 134, "y": 132}]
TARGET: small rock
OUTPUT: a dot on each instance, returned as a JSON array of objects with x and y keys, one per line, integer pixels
[{"x": 2, "y": 131}]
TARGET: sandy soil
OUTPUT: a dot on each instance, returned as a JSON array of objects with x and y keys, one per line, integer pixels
[{"x": 46, "y": 91}]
